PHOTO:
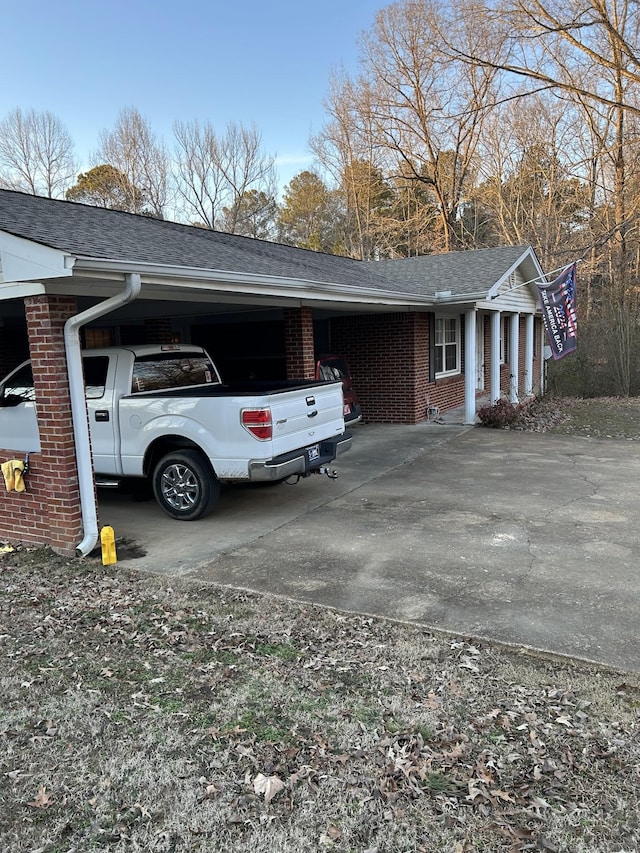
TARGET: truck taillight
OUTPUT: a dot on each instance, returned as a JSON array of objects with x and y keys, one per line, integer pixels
[{"x": 257, "y": 422}]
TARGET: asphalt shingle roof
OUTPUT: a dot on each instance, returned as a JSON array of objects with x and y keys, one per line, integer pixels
[
  {"x": 460, "y": 272},
  {"x": 97, "y": 232}
]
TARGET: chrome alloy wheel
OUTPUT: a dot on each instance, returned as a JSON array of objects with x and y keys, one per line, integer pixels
[{"x": 180, "y": 487}]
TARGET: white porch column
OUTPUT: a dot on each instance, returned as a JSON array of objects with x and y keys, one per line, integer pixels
[
  {"x": 514, "y": 364},
  {"x": 495, "y": 356},
  {"x": 470, "y": 366},
  {"x": 528, "y": 356}
]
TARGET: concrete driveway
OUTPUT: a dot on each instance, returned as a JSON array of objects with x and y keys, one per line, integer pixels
[{"x": 523, "y": 538}]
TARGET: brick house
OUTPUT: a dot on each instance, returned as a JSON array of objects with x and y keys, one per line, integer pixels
[{"x": 437, "y": 330}]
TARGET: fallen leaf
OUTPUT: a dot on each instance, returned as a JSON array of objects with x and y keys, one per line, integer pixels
[
  {"x": 269, "y": 786},
  {"x": 42, "y": 800},
  {"x": 334, "y": 833}
]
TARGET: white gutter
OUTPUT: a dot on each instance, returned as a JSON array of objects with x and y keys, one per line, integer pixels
[
  {"x": 276, "y": 285},
  {"x": 79, "y": 406}
]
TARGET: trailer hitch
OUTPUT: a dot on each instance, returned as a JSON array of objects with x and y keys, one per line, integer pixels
[{"x": 332, "y": 474}]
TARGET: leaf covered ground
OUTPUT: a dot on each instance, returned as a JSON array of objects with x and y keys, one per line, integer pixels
[
  {"x": 148, "y": 714},
  {"x": 600, "y": 417}
]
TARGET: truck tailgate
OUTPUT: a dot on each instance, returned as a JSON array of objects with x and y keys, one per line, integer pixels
[{"x": 302, "y": 417}]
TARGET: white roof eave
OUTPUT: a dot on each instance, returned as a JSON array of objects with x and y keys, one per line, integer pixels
[
  {"x": 26, "y": 261},
  {"x": 227, "y": 280}
]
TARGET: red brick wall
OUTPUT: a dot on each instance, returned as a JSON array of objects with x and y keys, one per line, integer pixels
[
  {"x": 446, "y": 393},
  {"x": 537, "y": 354},
  {"x": 388, "y": 355},
  {"x": 49, "y": 512},
  {"x": 299, "y": 347},
  {"x": 158, "y": 331},
  {"x": 389, "y": 359},
  {"x": 23, "y": 516}
]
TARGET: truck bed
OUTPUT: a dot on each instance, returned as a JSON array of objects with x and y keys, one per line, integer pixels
[{"x": 249, "y": 387}]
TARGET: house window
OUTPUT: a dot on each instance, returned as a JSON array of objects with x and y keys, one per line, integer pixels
[
  {"x": 447, "y": 346},
  {"x": 505, "y": 339}
]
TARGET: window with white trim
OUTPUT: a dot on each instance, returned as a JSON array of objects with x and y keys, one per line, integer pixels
[
  {"x": 447, "y": 346},
  {"x": 505, "y": 339}
]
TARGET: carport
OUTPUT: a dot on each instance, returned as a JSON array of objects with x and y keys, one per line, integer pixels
[{"x": 68, "y": 268}]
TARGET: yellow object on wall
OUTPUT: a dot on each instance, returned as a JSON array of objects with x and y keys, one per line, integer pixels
[
  {"x": 108, "y": 542},
  {"x": 12, "y": 471}
]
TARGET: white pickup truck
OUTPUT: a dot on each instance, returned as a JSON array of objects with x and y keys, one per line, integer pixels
[{"x": 163, "y": 413}]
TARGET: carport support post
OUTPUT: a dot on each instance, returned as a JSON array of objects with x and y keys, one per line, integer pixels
[
  {"x": 470, "y": 366},
  {"x": 299, "y": 344},
  {"x": 46, "y": 316}
]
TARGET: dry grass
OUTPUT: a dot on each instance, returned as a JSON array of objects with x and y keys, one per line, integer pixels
[
  {"x": 143, "y": 716},
  {"x": 139, "y": 714},
  {"x": 600, "y": 417}
]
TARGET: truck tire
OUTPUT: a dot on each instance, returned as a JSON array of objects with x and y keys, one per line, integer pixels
[{"x": 184, "y": 485}]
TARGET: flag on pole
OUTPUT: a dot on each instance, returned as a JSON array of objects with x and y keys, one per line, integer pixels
[{"x": 558, "y": 302}]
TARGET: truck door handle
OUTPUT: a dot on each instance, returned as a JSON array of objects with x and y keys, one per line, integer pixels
[
  {"x": 102, "y": 415},
  {"x": 312, "y": 414}
]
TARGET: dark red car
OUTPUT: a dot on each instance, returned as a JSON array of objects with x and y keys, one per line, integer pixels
[{"x": 332, "y": 367}]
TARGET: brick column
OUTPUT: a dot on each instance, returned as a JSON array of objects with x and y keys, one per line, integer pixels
[
  {"x": 299, "y": 345},
  {"x": 57, "y": 474}
]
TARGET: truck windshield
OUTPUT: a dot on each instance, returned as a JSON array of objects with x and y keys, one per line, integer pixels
[{"x": 163, "y": 371}]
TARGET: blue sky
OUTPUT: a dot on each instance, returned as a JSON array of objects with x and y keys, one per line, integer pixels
[{"x": 267, "y": 63}]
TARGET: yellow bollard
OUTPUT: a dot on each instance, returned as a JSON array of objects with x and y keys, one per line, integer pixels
[{"x": 108, "y": 541}]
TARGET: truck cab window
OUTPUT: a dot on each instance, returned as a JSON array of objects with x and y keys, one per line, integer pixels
[
  {"x": 95, "y": 375},
  {"x": 19, "y": 387},
  {"x": 172, "y": 370}
]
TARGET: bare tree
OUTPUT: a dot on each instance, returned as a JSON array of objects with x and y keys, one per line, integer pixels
[
  {"x": 587, "y": 52},
  {"x": 428, "y": 107},
  {"x": 416, "y": 113},
  {"x": 533, "y": 181},
  {"x": 572, "y": 46},
  {"x": 214, "y": 173},
  {"x": 36, "y": 153},
  {"x": 133, "y": 150},
  {"x": 346, "y": 148}
]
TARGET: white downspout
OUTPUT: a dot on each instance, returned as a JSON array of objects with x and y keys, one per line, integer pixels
[{"x": 79, "y": 416}]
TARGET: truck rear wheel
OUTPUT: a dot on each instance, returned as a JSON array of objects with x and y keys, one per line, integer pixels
[{"x": 184, "y": 485}]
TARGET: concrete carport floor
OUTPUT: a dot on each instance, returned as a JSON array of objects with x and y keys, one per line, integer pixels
[{"x": 522, "y": 538}]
